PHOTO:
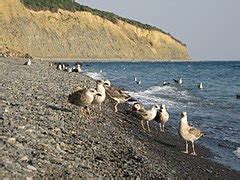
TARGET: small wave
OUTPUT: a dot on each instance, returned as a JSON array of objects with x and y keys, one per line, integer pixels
[
  {"x": 237, "y": 152},
  {"x": 96, "y": 75},
  {"x": 149, "y": 99},
  {"x": 168, "y": 95}
]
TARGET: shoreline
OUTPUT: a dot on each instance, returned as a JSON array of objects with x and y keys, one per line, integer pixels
[
  {"x": 43, "y": 135},
  {"x": 124, "y": 60}
]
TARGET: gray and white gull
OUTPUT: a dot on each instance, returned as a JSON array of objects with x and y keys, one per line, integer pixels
[{"x": 189, "y": 133}]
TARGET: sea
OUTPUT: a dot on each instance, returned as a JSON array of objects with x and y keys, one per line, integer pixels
[{"x": 214, "y": 109}]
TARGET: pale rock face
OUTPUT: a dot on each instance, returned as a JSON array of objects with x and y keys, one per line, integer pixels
[{"x": 60, "y": 35}]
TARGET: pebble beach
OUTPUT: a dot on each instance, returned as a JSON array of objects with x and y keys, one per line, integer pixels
[{"x": 42, "y": 135}]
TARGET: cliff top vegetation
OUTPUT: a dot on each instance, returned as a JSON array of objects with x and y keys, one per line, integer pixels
[{"x": 71, "y": 5}]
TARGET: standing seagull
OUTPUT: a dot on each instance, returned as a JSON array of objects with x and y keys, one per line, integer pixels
[
  {"x": 83, "y": 98},
  {"x": 162, "y": 117},
  {"x": 165, "y": 83},
  {"x": 200, "y": 85},
  {"x": 77, "y": 68},
  {"x": 180, "y": 81},
  {"x": 117, "y": 95},
  {"x": 148, "y": 115},
  {"x": 59, "y": 67},
  {"x": 188, "y": 133},
  {"x": 101, "y": 90},
  {"x": 28, "y": 63}
]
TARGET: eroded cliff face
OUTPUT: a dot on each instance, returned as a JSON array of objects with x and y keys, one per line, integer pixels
[{"x": 68, "y": 34}]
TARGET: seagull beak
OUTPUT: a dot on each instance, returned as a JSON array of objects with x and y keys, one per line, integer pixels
[{"x": 106, "y": 84}]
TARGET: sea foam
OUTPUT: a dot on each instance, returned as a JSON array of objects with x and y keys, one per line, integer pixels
[
  {"x": 96, "y": 75},
  {"x": 237, "y": 152}
]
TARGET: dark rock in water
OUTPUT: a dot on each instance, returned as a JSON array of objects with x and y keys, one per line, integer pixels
[{"x": 238, "y": 96}]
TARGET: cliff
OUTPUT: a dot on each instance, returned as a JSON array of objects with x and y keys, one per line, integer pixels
[{"x": 81, "y": 34}]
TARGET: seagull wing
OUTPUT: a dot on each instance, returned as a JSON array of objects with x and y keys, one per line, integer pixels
[
  {"x": 76, "y": 97},
  {"x": 196, "y": 132},
  {"x": 116, "y": 93},
  {"x": 176, "y": 81}
]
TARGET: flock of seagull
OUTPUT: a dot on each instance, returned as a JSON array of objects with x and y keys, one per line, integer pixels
[
  {"x": 68, "y": 68},
  {"x": 89, "y": 96},
  {"x": 86, "y": 97}
]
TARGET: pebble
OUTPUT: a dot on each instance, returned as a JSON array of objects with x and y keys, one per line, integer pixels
[
  {"x": 24, "y": 158},
  {"x": 11, "y": 140},
  {"x": 60, "y": 141},
  {"x": 31, "y": 168}
]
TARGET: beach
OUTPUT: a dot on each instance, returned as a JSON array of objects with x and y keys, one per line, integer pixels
[{"x": 45, "y": 136}]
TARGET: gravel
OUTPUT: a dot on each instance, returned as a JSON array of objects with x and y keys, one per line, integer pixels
[{"x": 42, "y": 135}]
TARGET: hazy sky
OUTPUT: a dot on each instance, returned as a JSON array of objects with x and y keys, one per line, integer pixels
[{"x": 210, "y": 28}]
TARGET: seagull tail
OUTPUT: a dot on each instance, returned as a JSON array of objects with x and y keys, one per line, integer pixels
[
  {"x": 132, "y": 99},
  {"x": 175, "y": 80}
]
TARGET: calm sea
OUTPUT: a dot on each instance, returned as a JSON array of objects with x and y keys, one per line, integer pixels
[{"x": 214, "y": 109}]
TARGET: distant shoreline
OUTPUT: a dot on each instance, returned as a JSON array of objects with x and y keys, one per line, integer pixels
[{"x": 124, "y": 60}]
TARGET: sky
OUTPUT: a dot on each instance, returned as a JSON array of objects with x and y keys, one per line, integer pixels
[{"x": 210, "y": 28}]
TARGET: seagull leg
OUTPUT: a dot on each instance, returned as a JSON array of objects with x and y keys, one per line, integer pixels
[
  {"x": 143, "y": 125},
  {"x": 88, "y": 111},
  {"x": 148, "y": 126},
  {"x": 100, "y": 106},
  {"x": 163, "y": 128},
  {"x": 93, "y": 109},
  {"x": 115, "y": 107},
  {"x": 193, "y": 153},
  {"x": 160, "y": 127},
  {"x": 186, "y": 151},
  {"x": 81, "y": 110}
]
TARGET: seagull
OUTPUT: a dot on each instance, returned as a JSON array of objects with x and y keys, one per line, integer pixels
[
  {"x": 137, "y": 107},
  {"x": 83, "y": 97},
  {"x": 139, "y": 82},
  {"x": 200, "y": 85},
  {"x": 63, "y": 66},
  {"x": 117, "y": 95},
  {"x": 135, "y": 79},
  {"x": 188, "y": 133},
  {"x": 77, "y": 68},
  {"x": 180, "y": 81},
  {"x": 68, "y": 69},
  {"x": 162, "y": 117},
  {"x": 101, "y": 90},
  {"x": 238, "y": 96},
  {"x": 59, "y": 66},
  {"x": 165, "y": 83},
  {"x": 148, "y": 115},
  {"x": 28, "y": 63}
]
